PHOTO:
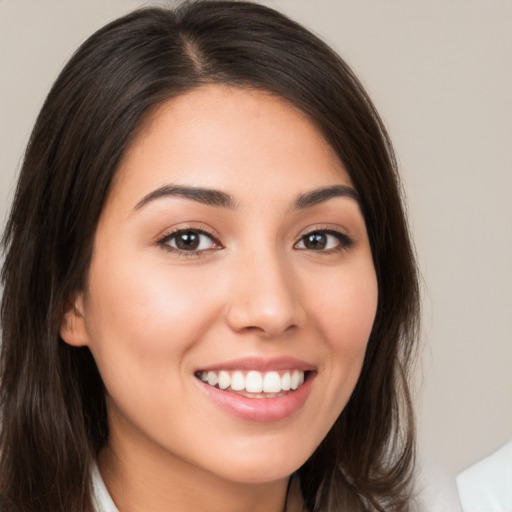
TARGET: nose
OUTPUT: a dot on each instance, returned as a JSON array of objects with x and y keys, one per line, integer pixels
[{"x": 264, "y": 297}]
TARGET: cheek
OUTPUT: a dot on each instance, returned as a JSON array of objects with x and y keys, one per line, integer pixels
[
  {"x": 347, "y": 308},
  {"x": 145, "y": 321},
  {"x": 142, "y": 318},
  {"x": 143, "y": 298},
  {"x": 345, "y": 314}
]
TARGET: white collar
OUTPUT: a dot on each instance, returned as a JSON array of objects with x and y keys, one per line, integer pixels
[{"x": 101, "y": 498}]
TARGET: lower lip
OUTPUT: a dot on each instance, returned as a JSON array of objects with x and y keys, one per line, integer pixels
[{"x": 260, "y": 409}]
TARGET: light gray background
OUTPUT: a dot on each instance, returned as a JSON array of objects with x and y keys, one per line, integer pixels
[{"x": 440, "y": 73}]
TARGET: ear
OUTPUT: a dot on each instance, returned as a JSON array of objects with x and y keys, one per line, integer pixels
[{"x": 73, "y": 328}]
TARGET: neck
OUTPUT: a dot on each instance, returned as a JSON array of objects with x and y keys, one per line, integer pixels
[{"x": 138, "y": 479}]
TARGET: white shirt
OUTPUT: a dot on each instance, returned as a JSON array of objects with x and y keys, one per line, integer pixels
[
  {"x": 102, "y": 500},
  {"x": 487, "y": 485},
  {"x": 434, "y": 490}
]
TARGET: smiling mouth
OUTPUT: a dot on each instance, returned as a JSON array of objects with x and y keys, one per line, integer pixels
[{"x": 255, "y": 384}]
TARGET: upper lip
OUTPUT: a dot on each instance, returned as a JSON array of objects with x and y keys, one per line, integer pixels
[{"x": 260, "y": 364}]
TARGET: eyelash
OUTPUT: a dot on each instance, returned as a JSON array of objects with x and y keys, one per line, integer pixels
[
  {"x": 345, "y": 242},
  {"x": 164, "y": 242}
]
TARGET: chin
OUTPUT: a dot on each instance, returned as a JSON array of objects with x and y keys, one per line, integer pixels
[
  {"x": 261, "y": 465},
  {"x": 260, "y": 473}
]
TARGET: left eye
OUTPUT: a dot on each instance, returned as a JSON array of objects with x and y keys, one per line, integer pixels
[
  {"x": 321, "y": 241},
  {"x": 190, "y": 240}
]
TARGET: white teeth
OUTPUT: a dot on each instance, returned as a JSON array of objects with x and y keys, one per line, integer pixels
[
  {"x": 295, "y": 380},
  {"x": 254, "y": 382},
  {"x": 224, "y": 380},
  {"x": 212, "y": 378},
  {"x": 272, "y": 382},
  {"x": 260, "y": 383},
  {"x": 238, "y": 381},
  {"x": 286, "y": 382}
]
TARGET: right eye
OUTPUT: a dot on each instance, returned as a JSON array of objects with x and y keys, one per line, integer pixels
[{"x": 191, "y": 241}]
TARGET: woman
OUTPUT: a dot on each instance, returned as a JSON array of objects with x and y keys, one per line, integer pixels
[{"x": 208, "y": 281}]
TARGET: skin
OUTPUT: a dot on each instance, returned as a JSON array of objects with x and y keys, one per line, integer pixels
[{"x": 152, "y": 316}]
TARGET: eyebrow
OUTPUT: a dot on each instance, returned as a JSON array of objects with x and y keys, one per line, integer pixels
[
  {"x": 212, "y": 197},
  {"x": 321, "y": 195},
  {"x": 206, "y": 196}
]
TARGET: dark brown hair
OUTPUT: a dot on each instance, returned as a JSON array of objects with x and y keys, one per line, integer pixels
[{"x": 52, "y": 396}]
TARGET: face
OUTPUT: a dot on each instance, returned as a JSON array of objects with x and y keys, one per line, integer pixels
[{"x": 231, "y": 291}]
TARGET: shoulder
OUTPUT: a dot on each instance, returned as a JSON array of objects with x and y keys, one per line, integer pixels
[
  {"x": 434, "y": 490},
  {"x": 487, "y": 485}
]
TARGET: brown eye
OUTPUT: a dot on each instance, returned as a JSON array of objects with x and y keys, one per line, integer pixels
[
  {"x": 190, "y": 240},
  {"x": 315, "y": 241},
  {"x": 325, "y": 240}
]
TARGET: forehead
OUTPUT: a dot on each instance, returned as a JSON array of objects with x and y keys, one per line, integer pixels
[{"x": 226, "y": 137}]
